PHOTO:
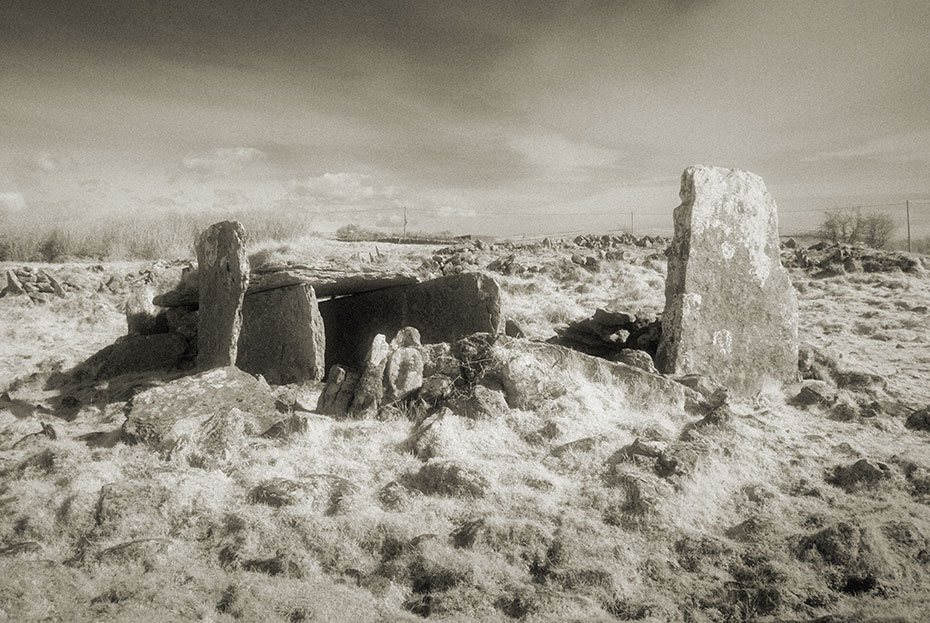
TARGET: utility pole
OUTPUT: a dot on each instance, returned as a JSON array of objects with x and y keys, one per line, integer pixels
[
  {"x": 631, "y": 222},
  {"x": 405, "y": 222},
  {"x": 907, "y": 204}
]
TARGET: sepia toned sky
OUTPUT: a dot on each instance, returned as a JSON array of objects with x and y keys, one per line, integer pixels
[{"x": 520, "y": 116}]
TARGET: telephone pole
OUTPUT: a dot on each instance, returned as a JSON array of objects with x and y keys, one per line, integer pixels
[
  {"x": 907, "y": 204},
  {"x": 405, "y": 222}
]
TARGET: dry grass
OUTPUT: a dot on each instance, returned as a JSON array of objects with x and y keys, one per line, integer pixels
[
  {"x": 56, "y": 237},
  {"x": 532, "y": 515}
]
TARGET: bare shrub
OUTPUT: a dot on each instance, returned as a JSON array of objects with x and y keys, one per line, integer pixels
[{"x": 849, "y": 227}]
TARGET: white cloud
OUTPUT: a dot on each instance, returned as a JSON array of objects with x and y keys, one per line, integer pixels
[
  {"x": 45, "y": 161},
  {"x": 12, "y": 202},
  {"x": 222, "y": 161},
  {"x": 907, "y": 147},
  {"x": 454, "y": 212},
  {"x": 340, "y": 188},
  {"x": 557, "y": 153}
]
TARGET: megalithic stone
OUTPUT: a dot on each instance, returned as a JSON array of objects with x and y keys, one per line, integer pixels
[
  {"x": 730, "y": 310},
  {"x": 223, "y": 275}
]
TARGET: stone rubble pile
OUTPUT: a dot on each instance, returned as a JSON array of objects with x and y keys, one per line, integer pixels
[
  {"x": 36, "y": 283},
  {"x": 827, "y": 260},
  {"x": 479, "y": 376},
  {"x": 611, "y": 241},
  {"x": 606, "y": 334}
]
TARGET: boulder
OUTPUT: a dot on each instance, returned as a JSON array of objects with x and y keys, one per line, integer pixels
[
  {"x": 163, "y": 415},
  {"x": 730, "y": 308},
  {"x": 223, "y": 276},
  {"x": 282, "y": 336},
  {"x": 442, "y": 310},
  {"x": 533, "y": 373}
]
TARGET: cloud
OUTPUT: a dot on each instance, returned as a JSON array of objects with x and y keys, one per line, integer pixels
[
  {"x": 12, "y": 202},
  {"x": 907, "y": 147},
  {"x": 340, "y": 188},
  {"x": 454, "y": 212},
  {"x": 557, "y": 153},
  {"x": 45, "y": 161},
  {"x": 222, "y": 161}
]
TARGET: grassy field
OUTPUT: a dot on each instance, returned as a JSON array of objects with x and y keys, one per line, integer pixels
[{"x": 531, "y": 515}]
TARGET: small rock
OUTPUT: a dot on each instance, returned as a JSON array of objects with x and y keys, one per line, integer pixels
[
  {"x": 919, "y": 420},
  {"x": 513, "y": 329},
  {"x": 449, "y": 478},
  {"x": 819, "y": 393},
  {"x": 636, "y": 358},
  {"x": 435, "y": 388},
  {"x": 861, "y": 473}
]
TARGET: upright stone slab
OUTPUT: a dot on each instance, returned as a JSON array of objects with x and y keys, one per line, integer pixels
[
  {"x": 223, "y": 275},
  {"x": 443, "y": 310},
  {"x": 282, "y": 335},
  {"x": 730, "y": 309}
]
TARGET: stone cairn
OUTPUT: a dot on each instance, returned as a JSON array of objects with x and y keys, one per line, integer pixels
[{"x": 730, "y": 309}]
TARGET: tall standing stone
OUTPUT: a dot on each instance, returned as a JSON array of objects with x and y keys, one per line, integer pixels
[
  {"x": 223, "y": 275},
  {"x": 730, "y": 309}
]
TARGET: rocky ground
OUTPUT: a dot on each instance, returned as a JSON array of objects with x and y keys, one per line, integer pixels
[{"x": 806, "y": 503}]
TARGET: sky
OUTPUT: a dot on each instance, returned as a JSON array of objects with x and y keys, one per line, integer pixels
[{"x": 491, "y": 117}]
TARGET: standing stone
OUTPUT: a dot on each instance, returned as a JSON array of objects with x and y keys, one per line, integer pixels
[
  {"x": 223, "y": 278},
  {"x": 282, "y": 336},
  {"x": 730, "y": 308},
  {"x": 370, "y": 388}
]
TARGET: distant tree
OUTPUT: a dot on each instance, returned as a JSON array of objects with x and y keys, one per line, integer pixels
[
  {"x": 841, "y": 227},
  {"x": 877, "y": 229}
]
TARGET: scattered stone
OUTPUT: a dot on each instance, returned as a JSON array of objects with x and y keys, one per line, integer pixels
[
  {"x": 282, "y": 336},
  {"x": 443, "y": 310},
  {"x": 13, "y": 284},
  {"x": 156, "y": 416},
  {"x": 861, "y": 473},
  {"x": 223, "y": 276},
  {"x": 283, "y": 429},
  {"x": 730, "y": 308},
  {"x": 406, "y": 337},
  {"x": 919, "y": 420}
]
